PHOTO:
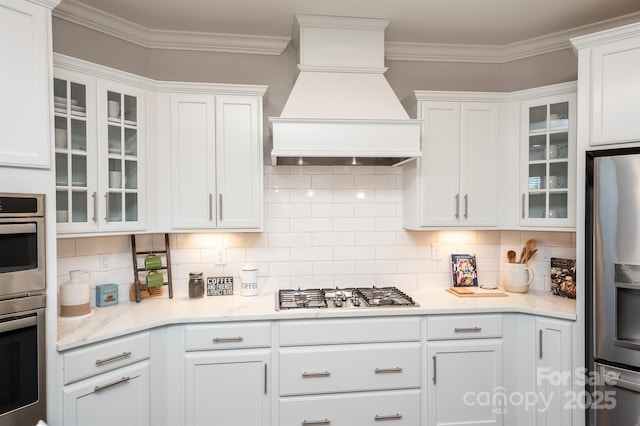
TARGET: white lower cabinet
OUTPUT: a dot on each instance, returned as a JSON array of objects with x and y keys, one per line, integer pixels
[
  {"x": 108, "y": 383},
  {"x": 227, "y": 388},
  {"x": 554, "y": 376},
  {"x": 401, "y": 407},
  {"x": 120, "y": 397},
  {"x": 464, "y": 372},
  {"x": 346, "y": 379},
  {"x": 227, "y": 374}
]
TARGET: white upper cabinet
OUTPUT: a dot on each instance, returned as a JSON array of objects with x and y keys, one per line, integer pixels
[
  {"x": 99, "y": 151},
  {"x": 609, "y": 80},
  {"x": 547, "y": 165},
  {"x": 455, "y": 183},
  {"x": 216, "y": 161},
  {"x": 25, "y": 67}
]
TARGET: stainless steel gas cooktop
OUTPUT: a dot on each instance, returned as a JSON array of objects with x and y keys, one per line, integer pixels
[{"x": 357, "y": 297}]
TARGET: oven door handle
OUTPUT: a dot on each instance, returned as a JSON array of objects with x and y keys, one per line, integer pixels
[
  {"x": 18, "y": 228},
  {"x": 17, "y": 324},
  {"x": 613, "y": 379}
]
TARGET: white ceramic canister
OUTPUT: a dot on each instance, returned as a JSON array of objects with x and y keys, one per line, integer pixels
[
  {"x": 75, "y": 294},
  {"x": 516, "y": 277},
  {"x": 249, "y": 281}
]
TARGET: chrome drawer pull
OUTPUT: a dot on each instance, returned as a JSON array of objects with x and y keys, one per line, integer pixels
[
  {"x": 396, "y": 416},
  {"x": 321, "y": 374},
  {"x": 112, "y": 358},
  {"x": 388, "y": 370},
  {"x": 467, "y": 329},
  {"x": 227, "y": 339},
  {"x": 108, "y": 385},
  {"x": 316, "y": 422}
]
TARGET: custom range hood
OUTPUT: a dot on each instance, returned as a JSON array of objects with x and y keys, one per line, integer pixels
[{"x": 341, "y": 110}]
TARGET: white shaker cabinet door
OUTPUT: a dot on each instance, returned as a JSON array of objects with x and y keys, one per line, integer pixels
[
  {"x": 193, "y": 161},
  {"x": 24, "y": 87},
  {"x": 120, "y": 397},
  {"x": 239, "y": 161}
]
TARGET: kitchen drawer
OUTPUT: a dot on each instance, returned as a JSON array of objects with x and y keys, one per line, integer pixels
[
  {"x": 464, "y": 327},
  {"x": 348, "y": 368},
  {"x": 362, "y": 409},
  {"x": 345, "y": 331},
  {"x": 101, "y": 357},
  {"x": 206, "y": 337}
]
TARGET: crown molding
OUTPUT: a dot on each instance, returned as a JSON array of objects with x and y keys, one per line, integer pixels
[
  {"x": 97, "y": 20},
  {"x": 49, "y": 4},
  {"x": 499, "y": 53}
]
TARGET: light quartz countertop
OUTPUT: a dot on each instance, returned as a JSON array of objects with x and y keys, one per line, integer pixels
[{"x": 128, "y": 317}]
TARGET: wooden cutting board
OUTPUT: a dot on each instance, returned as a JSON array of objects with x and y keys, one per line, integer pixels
[{"x": 473, "y": 292}]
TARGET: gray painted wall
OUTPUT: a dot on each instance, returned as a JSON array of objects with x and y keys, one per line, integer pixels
[{"x": 279, "y": 72}]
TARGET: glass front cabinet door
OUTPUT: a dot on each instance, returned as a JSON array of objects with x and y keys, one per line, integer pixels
[
  {"x": 548, "y": 162},
  {"x": 98, "y": 142}
]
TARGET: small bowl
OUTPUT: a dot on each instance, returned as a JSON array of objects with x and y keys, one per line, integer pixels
[{"x": 523, "y": 288}]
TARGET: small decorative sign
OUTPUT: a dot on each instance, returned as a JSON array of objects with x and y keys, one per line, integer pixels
[{"x": 219, "y": 286}]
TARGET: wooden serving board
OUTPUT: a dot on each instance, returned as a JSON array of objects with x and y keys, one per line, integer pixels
[{"x": 469, "y": 292}]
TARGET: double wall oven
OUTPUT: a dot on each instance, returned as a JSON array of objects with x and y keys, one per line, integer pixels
[
  {"x": 22, "y": 309},
  {"x": 613, "y": 286}
]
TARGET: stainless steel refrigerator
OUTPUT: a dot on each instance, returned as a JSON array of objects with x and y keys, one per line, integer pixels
[{"x": 612, "y": 279}]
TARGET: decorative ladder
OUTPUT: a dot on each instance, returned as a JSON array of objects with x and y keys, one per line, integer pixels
[{"x": 136, "y": 270}]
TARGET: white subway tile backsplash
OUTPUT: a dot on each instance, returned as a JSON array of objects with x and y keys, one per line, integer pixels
[
  {"x": 324, "y": 226},
  {"x": 375, "y": 181},
  {"x": 311, "y": 224},
  {"x": 354, "y": 224},
  {"x": 332, "y": 181}
]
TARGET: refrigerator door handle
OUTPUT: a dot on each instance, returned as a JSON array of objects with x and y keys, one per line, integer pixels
[{"x": 612, "y": 378}]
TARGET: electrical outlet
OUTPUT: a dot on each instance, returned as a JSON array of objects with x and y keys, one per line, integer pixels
[
  {"x": 544, "y": 253},
  {"x": 436, "y": 253},
  {"x": 221, "y": 258},
  {"x": 105, "y": 262}
]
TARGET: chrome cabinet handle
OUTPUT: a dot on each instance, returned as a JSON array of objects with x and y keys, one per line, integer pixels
[
  {"x": 457, "y": 197},
  {"x": 466, "y": 205},
  {"x": 540, "y": 343},
  {"x": 95, "y": 207},
  {"x": 434, "y": 370},
  {"x": 523, "y": 201},
  {"x": 613, "y": 379},
  {"x": 113, "y": 358},
  {"x": 467, "y": 329},
  {"x": 220, "y": 205},
  {"x": 396, "y": 416},
  {"x": 108, "y": 385},
  {"x": 319, "y": 374},
  {"x": 388, "y": 370},
  {"x": 227, "y": 339},
  {"x": 265, "y": 379},
  {"x": 210, "y": 206},
  {"x": 106, "y": 207},
  {"x": 316, "y": 422}
]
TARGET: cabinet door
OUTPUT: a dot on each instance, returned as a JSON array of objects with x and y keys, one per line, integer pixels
[
  {"x": 548, "y": 162},
  {"x": 75, "y": 145},
  {"x": 553, "y": 372},
  {"x": 239, "y": 161},
  {"x": 440, "y": 163},
  {"x": 193, "y": 161},
  {"x": 615, "y": 99},
  {"x": 479, "y": 164},
  {"x": 25, "y": 69},
  {"x": 120, "y": 397},
  {"x": 227, "y": 388},
  {"x": 121, "y": 157},
  {"x": 464, "y": 377}
]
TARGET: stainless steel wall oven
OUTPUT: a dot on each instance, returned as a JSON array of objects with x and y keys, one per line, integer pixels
[{"x": 22, "y": 309}]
